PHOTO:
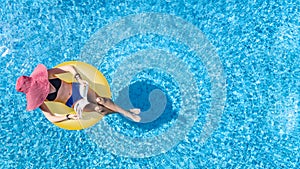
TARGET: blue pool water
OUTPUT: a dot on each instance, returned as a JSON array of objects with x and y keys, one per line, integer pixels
[{"x": 217, "y": 82}]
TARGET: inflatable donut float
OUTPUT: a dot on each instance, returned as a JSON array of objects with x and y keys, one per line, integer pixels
[{"x": 97, "y": 82}]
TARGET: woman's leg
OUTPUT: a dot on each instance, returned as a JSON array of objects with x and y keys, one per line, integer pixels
[
  {"x": 104, "y": 111},
  {"x": 112, "y": 106},
  {"x": 100, "y": 109},
  {"x": 93, "y": 97}
]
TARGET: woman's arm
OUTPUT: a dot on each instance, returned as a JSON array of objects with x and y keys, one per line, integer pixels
[
  {"x": 69, "y": 68},
  {"x": 53, "y": 118},
  {"x": 62, "y": 69}
]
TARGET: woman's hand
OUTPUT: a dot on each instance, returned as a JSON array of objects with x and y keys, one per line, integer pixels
[
  {"x": 72, "y": 117},
  {"x": 79, "y": 79}
]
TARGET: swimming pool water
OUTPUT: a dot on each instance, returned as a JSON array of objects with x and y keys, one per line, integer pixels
[{"x": 222, "y": 77}]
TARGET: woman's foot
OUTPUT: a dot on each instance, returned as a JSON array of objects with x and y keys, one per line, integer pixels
[
  {"x": 135, "y": 111},
  {"x": 135, "y": 118}
]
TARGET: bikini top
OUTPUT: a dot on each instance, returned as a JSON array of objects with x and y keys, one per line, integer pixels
[{"x": 56, "y": 83}]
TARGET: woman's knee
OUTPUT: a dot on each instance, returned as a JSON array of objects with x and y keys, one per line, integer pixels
[
  {"x": 99, "y": 108},
  {"x": 103, "y": 100}
]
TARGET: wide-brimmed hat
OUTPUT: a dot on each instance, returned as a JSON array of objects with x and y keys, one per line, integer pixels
[{"x": 36, "y": 87}]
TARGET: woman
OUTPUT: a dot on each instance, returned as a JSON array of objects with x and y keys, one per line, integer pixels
[{"x": 43, "y": 85}]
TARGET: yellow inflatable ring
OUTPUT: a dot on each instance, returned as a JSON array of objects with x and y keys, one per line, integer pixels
[{"x": 96, "y": 81}]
